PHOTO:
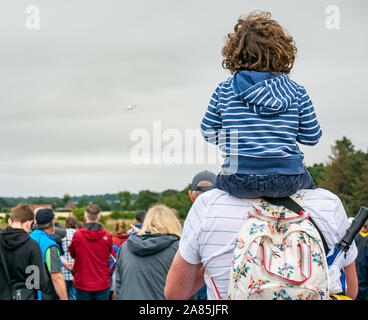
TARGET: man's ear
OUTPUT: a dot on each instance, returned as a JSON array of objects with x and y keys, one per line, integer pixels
[
  {"x": 190, "y": 192},
  {"x": 52, "y": 226},
  {"x": 28, "y": 225},
  {"x": 10, "y": 222}
]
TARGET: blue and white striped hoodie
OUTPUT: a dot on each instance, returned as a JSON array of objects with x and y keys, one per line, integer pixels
[{"x": 269, "y": 114}]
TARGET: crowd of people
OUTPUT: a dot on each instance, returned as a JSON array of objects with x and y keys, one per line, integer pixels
[
  {"x": 85, "y": 262},
  {"x": 236, "y": 223},
  {"x": 154, "y": 258}
]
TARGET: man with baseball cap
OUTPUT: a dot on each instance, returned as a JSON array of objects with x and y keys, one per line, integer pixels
[
  {"x": 202, "y": 182},
  {"x": 45, "y": 225}
]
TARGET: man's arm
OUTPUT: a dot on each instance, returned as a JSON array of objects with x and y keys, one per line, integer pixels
[
  {"x": 59, "y": 285},
  {"x": 184, "y": 279},
  {"x": 53, "y": 265},
  {"x": 351, "y": 281}
]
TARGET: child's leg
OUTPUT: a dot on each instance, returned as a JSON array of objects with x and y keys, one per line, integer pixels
[
  {"x": 254, "y": 186},
  {"x": 240, "y": 185},
  {"x": 287, "y": 185}
]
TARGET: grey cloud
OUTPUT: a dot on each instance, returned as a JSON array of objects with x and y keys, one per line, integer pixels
[{"x": 65, "y": 87}]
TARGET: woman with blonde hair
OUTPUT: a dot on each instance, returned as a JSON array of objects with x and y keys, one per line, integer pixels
[{"x": 144, "y": 260}]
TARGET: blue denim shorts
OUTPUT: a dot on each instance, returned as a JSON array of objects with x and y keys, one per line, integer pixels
[{"x": 271, "y": 185}]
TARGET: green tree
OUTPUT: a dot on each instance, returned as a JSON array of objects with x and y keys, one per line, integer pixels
[
  {"x": 104, "y": 205},
  {"x": 3, "y": 204},
  {"x": 82, "y": 203},
  {"x": 58, "y": 203},
  {"x": 145, "y": 199},
  {"x": 79, "y": 213},
  {"x": 179, "y": 201},
  {"x": 360, "y": 190},
  {"x": 66, "y": 198},
  {"x": 40, "y": 200},
  {"x": 317, "y": 171},
  {"x": 168, "y": 192},
  {"x": 127, "y": 196},
  {"x": 343, "y": 167},
  {"x": 121, "y": 197}
]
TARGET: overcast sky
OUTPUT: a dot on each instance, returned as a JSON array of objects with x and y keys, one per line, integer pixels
[{"x": 65, "y": 87}]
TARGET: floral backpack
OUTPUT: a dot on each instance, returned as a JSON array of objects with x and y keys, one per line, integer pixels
[{"x": 279, "y": 255}]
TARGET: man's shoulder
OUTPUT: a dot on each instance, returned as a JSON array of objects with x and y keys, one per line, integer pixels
[
  {"x": 216, "y": 201},
  {"x": 107, "y": 232},
  {"x": 219, "y": 196},
  {"x": 326, "y": 207},
  {"x": 53, "y": 249},
  {"x": 319, "y": 194},
  {"x": 33, "y": 244},
  {"x": 216, "y": 196},
  {"x": 108, "y": 237}
]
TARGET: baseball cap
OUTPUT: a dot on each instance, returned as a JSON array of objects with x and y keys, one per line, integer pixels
[
  {"x": 44, "y": 216},
  {"x": 203, "y": 176}
]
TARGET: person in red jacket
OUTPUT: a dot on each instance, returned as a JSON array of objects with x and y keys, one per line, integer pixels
[{"x": 91, "y": 249}]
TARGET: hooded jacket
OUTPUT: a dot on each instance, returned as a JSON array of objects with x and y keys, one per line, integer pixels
[
  {"x": 19, "y": 252},
  {"x": 90, "y": 248},
  {"x": 263, "y": 115},
  {"x": 119, "y": 239},
  {"x": 142, "y": 265}
]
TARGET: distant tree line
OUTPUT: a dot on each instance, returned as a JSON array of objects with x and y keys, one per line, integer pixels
[
  {"x": 122, "y": 201},
  {"x": 345, "y": 174}
]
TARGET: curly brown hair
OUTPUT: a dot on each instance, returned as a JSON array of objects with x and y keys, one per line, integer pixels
[{"x": 259, "y": 43}]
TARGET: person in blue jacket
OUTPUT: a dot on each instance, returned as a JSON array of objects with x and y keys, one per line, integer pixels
[
  {"x": 45, "y": 220},
  {"x": 138, "y": 223}
]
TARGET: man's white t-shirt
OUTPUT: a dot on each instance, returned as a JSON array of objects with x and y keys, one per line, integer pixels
[{"x": 216, "y": 217}]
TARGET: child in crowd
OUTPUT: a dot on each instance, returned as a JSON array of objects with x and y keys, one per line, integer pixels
[{"x": 258, "y": 115}]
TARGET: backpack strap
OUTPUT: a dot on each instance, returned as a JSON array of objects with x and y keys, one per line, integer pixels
[
  {"x": 292, "y": 205},
  {"x": 213, "y": 287}
]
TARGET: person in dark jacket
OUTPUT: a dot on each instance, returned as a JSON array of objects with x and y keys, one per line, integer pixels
[
  {"x": 361, "y": 240},
  {"x": 144, "y": 260},
  {"x": 362, "y": 271},
  {"x": 91, "y": 249},
  {"x": 21, "y": 256}
]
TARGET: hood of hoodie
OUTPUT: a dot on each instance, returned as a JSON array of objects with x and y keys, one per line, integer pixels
[
  {"x": 93, "y": 231},
  {"x": 121, "y": 236},
  {"x": 12, "y": 239},
  {"x": 264, "y": 93},
  {"x": 147, "y": 244}
]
